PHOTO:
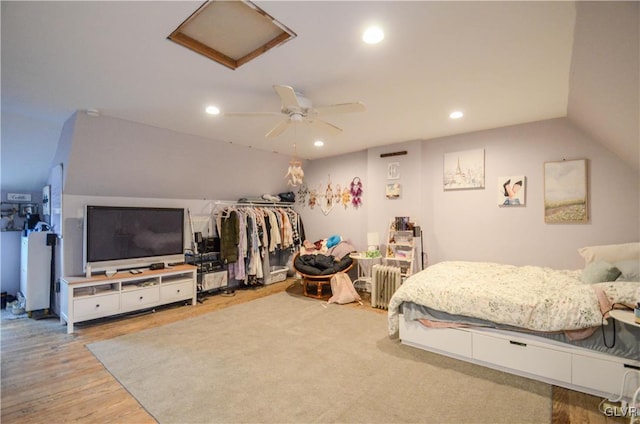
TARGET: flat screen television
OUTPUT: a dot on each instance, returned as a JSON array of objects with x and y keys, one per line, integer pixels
[{"x": 121, "y": 237}]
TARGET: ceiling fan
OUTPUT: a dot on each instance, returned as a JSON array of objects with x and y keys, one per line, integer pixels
[{"x": 298, "y": 109}]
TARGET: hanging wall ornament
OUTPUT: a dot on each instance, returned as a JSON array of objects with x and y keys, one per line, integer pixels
[
  {"x": 345, "y": 197},
  {"x": 327, "y": 203},
  {"x": 303, "y": 192},
  {"x": 313, "y": 198},
  {"x": 356, "y": 192}
]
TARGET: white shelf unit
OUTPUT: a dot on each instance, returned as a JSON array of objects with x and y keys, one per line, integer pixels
[
  {"x": 402, "y": 249},
  {"x": 35, "y": 271},
  {"x": 84, "y": 299}
]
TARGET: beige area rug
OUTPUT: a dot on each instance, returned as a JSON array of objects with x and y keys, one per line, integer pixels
[{"x": 287, "y": 359}]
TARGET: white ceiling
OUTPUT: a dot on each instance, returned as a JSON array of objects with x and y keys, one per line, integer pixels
[{"x": 502, "y": 63}]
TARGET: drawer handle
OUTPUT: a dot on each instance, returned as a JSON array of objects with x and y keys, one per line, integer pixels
[
  {"x": 141, "y": 297},
  {"x": 178, "y": 290},
  {"x": 633, "y": 367},
  {"x": 517, "y": 343},
  {"x": 97, "y": 305}
]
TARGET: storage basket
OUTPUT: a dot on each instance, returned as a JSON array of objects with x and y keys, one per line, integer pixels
[{"x": 278, "y": 273}]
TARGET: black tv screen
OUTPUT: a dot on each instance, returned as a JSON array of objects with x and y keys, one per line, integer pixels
[{"x": 117, "y": 233}]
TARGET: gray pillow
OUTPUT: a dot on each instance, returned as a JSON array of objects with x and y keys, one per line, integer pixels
[
  {"x": 599, "y": 272},
  {"x": 630, "y": 270}
]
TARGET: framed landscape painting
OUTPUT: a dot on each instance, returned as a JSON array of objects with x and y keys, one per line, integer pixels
[{"x": 565, "y": 191}]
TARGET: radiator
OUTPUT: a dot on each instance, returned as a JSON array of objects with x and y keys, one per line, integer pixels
[{"x": 384, "y": 283}]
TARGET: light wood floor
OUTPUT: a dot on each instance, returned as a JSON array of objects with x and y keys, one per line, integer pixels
[{"x": 48, "y": 376}]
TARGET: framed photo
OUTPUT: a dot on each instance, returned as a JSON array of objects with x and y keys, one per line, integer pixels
[
  {"x": 464, "y": 170},
  {"x": 393, "y": 191},
  {"x": 393, "y": 171},
  {"x": 511, "y": 190},
  {"x": 46, "y": 200},
  {"x": 566, "y": 191},
  {"x": 27, "y": 209}
]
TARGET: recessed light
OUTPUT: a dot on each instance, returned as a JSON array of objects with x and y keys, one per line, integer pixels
[
  {"x": 318, "y": 143},
  {"x": 456, "y": 115},
  {"x": 373, "y": 35},
  {"x": 212, "y": 110}
]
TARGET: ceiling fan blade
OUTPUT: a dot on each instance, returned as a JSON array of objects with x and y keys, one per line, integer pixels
[
  {"x": 278, "y": 129},
  {"x": 324, "y": 126},
  {"x": 252, "y": 114},
  {"x": 340, "y": 108},
  {"x": 287, "y": 96}
]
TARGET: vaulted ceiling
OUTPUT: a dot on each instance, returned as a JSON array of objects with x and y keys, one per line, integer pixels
[{"x": 501, "y": 63}]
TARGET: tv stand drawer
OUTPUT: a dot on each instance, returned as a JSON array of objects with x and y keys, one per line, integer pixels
[
  {"x": 138, "y": 299},
  {"x": 96, "y": 306}
]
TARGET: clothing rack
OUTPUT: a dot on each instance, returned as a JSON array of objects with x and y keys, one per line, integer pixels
[
  {"x": 261, "y": 203},
  {"x": 252, "y": 261}
]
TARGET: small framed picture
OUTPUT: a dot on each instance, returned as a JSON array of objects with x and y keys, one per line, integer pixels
[
  {"x": 27, "y": 209},
  {"x": 46, "y": 200},
  {"x": 393, "y": 191},
  {"x": 393, "y": 171},
  {"x": 511, "y": 190}
]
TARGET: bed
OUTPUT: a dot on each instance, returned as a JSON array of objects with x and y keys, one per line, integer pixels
[{"x": 550, "y": 325}]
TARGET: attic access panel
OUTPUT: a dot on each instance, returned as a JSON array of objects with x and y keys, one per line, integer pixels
[{"x": 231, "y": 32}]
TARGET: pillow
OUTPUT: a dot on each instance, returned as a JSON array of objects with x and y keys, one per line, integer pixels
[
  {"x": 611, "y": 253},
  {"x": 599, "y": 272},
  {"x": 341, "y": 250},
  {"x": 630, "y": 270}
]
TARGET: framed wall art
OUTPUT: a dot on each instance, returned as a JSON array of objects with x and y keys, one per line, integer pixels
[
  {"x": 566, "y": 191},
  {"x": 512, "y": 190},
  {"x": 464, "y": 170},
  {"x": 393, "y": 171},
  {"x": 393, "y": 191}
]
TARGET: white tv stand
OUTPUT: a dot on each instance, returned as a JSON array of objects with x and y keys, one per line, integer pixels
[{"x": 87, "y": 298}]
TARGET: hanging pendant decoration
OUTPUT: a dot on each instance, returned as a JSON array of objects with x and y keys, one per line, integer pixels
[
  {"x": 356, "y": 192},
  {"x": 295, "y": 174}
]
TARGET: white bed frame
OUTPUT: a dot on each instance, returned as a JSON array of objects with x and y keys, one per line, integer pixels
[{"x": 529, "y": 356}]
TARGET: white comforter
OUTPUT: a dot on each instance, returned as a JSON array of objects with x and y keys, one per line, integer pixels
[{"x": 529, "y": 297}]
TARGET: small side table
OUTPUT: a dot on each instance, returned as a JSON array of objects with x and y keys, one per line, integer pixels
[
  {"x": 365, "y": 265},
  {"x": 624, "y": 315}
]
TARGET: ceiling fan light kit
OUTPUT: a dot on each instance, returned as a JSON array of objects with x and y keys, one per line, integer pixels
[{"x": 298, "y": 109}]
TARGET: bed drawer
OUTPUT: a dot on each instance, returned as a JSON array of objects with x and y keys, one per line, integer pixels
[
  {"x": 599, "y": 374},
  {"x": 523, "y": 357},
  {"x": 449, "y": 340}
]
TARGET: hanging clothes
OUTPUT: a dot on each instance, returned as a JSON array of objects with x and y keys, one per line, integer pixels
[
  {"x": 229, "y": 237},
  {"x": 248, "y": 234}
]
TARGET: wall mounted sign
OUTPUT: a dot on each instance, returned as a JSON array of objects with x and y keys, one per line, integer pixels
[{"x": 19, "y": 197}]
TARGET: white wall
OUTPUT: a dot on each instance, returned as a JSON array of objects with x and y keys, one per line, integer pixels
[
  {"x": 468, "y": 224},
  {"x": 349, "y": 222},
  {"x": 114, "y": 157}
]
